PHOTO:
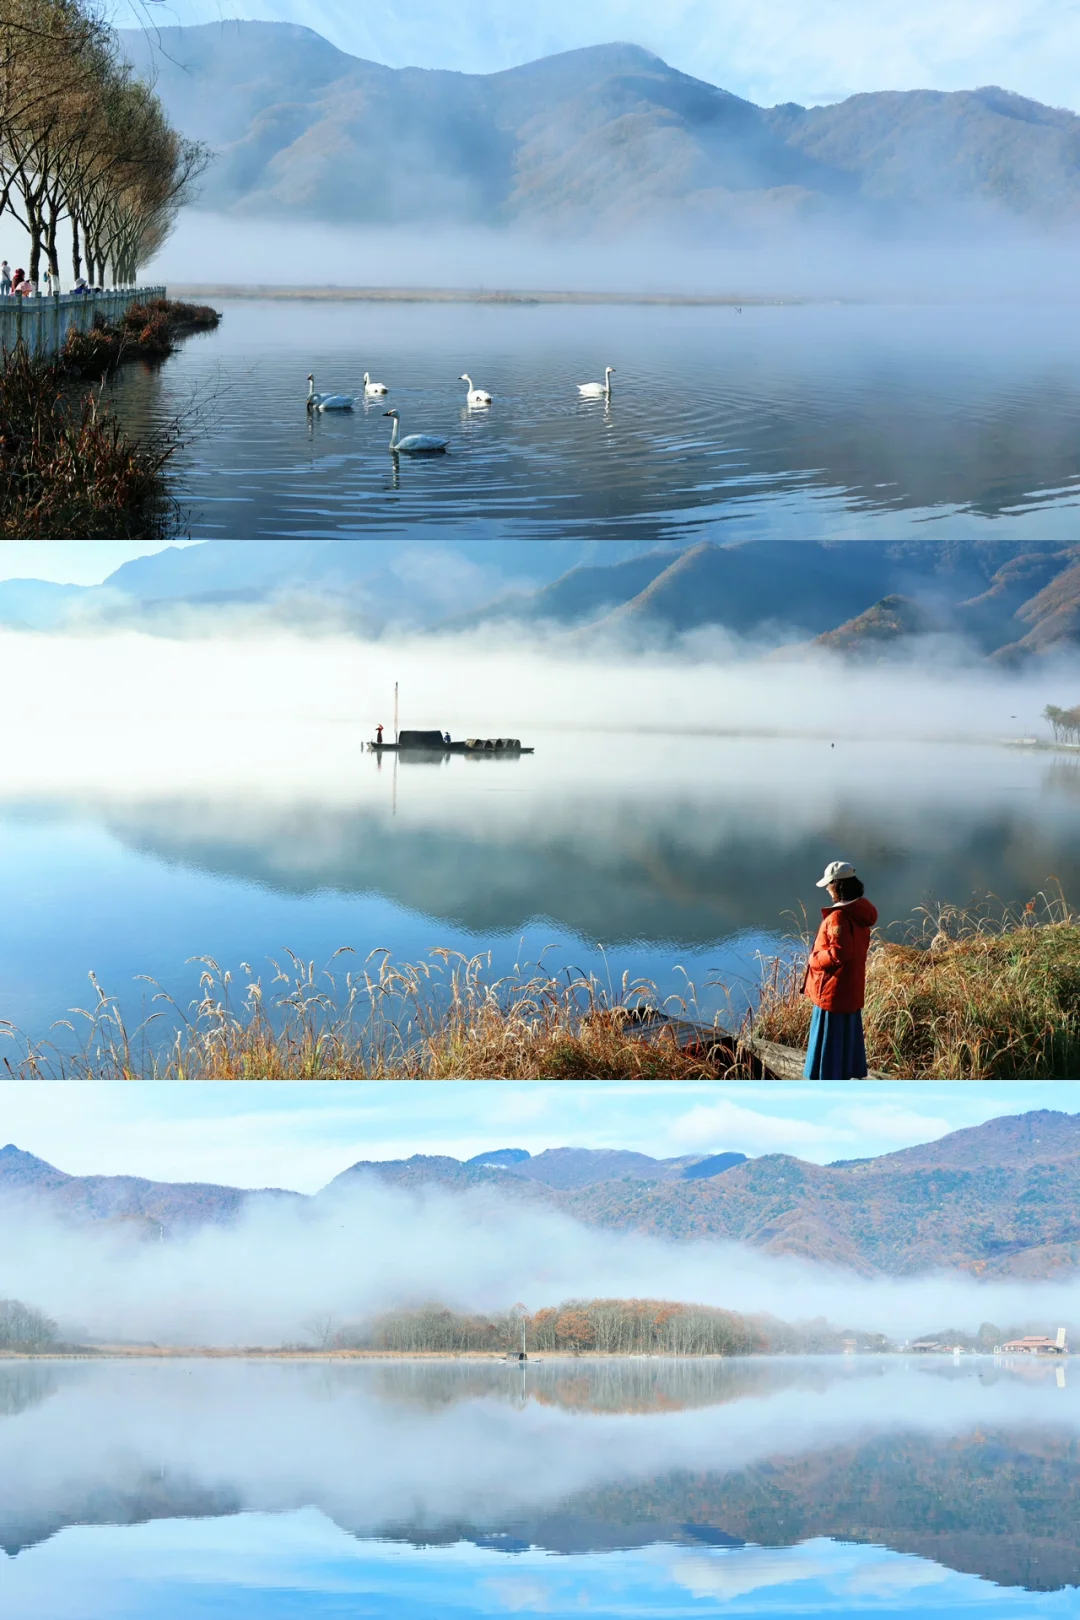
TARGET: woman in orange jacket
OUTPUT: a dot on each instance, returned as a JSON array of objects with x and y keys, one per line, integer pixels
[{"x": 836, "y": 979}]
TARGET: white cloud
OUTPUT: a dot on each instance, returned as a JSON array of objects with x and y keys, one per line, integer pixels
[
  {"x": 747, "y": 1131},
  {"x": 892, "y": 1577},
  {"x": 518, "y": 1593},
  {"x": 734, "y": 1574},
  {"x": 889, "y": 1122}
]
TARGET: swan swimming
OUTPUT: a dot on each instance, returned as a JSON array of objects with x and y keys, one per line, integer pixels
[
  {"x": 414, "y": 443},
  {"x": 475, "y": 396},
  {"x": 327, "y": 402},
  {"x": 598, "y": 390},
  {"x": 374, "y": 388}
]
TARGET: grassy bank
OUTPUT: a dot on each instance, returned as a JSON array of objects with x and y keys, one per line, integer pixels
[
  {"x": 968, "y": 997},
  {"x": 147, "y": 332},
  {"x": 68, "y": 470}
]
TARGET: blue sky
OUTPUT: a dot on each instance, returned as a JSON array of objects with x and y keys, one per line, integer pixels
[
  {"x": 300, "y": 1135},
  {"x": 71, "y": 562},
  {"x": 776, "y": 50}
]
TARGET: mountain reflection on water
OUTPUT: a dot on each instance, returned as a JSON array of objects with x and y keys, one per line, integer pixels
[
  {"x": 628, "y": 852},
  {"x": 634, "y": 1469},
  {"x": 821, "y": 421}
]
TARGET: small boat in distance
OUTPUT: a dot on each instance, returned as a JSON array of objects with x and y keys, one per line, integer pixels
[{"x": 438, "y": 742}]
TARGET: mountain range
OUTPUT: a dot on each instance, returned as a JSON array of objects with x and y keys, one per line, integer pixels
[
  {"x": 605, "y": 137},
  {"x": 999, "y": 1199},
  {"x": 1007, "y": 601}
]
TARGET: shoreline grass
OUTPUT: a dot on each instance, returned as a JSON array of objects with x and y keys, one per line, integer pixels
[
  {"x": 68, "y": 469},
  {"x": 440, "y": 1019},
  {"x": 965, "y": 996},
  {"x": 147, "y": 331}
]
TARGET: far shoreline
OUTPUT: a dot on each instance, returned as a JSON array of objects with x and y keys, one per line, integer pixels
[
  {"x": 482, "y": 295},
  {"x": 492, "y": 1357}
]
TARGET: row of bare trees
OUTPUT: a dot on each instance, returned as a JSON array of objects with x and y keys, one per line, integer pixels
[
  {"x": 86, "y": 150},
  {"x": 1065, "y": 723}
]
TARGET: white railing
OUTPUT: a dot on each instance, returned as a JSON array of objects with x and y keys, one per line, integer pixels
[{"x": 43, "y": 323}]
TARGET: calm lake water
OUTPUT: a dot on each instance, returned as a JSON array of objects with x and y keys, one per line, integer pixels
[
  {"x": 664, "y": 856},
  {"x": 652, "y": 1488},
  {"x": 621, "y": 854},
  {"x": 812, "y": 421}
]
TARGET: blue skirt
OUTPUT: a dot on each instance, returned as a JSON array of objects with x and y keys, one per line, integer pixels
[{"x": 835, "y": 1049}]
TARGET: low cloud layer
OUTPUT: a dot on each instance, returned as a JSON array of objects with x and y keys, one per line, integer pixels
[
  {"x": 376, "y": 1248},
  {"x": 74, "y": 692}
]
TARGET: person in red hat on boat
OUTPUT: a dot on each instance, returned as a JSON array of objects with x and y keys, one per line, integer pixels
[
  {"x": 835, "y": 978},
  {"x": 378, "y": 735}
]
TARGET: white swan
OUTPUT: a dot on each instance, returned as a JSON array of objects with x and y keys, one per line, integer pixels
[
  {"x": 475, "y": 396},
  {"x": 327, "y": 402},
  {"x": 598, "y": 390},
  {"x": 374, "y": 388},
  {"x": 414, "y": 443}
]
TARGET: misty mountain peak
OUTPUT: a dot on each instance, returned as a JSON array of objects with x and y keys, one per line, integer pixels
[
  {"x": 16, "y": 1164},
  {"x": 600, "y": 136}
]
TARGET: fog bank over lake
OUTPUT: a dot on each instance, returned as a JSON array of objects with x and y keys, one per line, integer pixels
[{"x": 676, "y": 812}]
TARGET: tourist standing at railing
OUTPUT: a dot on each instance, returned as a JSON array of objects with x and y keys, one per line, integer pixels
[
  {"x": 17, "y": 280},
  {"x": 5, "y": 279},
  {"x": 52, "y": 283}
]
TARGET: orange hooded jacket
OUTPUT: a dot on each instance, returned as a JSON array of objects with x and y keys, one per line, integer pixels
[{"x": 836, "y": 973}]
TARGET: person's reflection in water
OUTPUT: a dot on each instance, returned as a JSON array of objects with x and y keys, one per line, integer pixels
[{"x": 836, "y": 979}]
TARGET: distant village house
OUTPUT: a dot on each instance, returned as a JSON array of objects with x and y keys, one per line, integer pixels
[{"x": 1036, "y": 1345}]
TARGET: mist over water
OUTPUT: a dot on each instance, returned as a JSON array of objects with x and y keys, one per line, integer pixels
[
  {"x": 676, "y": 814},
  {"x": 482, "y": 1488},
  {"x": 358, "y": 1250}
]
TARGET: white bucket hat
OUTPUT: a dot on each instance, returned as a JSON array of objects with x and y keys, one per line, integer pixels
[{"x": 834, "y": 872}]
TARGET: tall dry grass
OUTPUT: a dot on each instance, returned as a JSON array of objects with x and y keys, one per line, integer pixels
[
  {"x": 441, "y": 1019},
  {"x": 68, "y": 469},
  {"x": 969, "y": 995}
]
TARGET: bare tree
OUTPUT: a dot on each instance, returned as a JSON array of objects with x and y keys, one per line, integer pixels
[
  {"x": 23, "y": 1327},
  {"x": 84, "y": 141}
]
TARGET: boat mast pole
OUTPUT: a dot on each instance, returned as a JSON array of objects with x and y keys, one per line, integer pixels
[{"x": 395, "y": 713}]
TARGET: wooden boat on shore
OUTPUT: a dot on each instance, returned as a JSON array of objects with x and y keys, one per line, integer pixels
[{"x": 434, "y": 742}]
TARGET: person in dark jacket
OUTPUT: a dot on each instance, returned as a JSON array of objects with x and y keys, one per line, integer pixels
[{"x": 836, "y": 979}]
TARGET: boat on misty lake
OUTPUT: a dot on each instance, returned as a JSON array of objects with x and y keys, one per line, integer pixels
[{"x": 438, "y": 742}]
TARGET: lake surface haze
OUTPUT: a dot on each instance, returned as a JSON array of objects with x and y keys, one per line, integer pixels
[{"x": 831, "y": 1486}]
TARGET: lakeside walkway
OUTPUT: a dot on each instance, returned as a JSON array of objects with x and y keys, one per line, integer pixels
[{"x": 43, "y": 323}]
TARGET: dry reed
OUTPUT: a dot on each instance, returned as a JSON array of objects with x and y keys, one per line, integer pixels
[
  {"x": 969, "y": 995},
  {"x": 441, "y": 1019},
  {"x": 67, "y": 468}
]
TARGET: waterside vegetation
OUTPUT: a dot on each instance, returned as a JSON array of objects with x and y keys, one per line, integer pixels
[
  {"x": 68, "y": 469},
  {"x": 969, "y": 995}
]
